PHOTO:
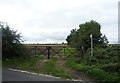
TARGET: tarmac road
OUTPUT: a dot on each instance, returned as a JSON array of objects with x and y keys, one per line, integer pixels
[
  {"x": 19, "y": 77},
  {"x": 10, "y": 75}
]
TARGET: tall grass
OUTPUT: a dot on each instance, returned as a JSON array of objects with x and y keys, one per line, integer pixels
[{"x": 21, "y": 62}]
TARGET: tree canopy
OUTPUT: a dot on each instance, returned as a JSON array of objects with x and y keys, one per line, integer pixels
[
  {"x": 11, "y": 46},
  {"x": 80, "y": 38}
]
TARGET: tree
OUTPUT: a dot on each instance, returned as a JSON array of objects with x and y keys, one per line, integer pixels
[
  {"x": 11, "y": 46},
  {"x": 80, "y": 38}
]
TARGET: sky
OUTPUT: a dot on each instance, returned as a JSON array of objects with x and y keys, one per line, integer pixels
[{"x": 50, "y": 21}]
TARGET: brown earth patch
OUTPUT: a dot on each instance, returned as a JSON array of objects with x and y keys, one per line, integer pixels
[
  {"x": 40, "y": 63},
  {"x": 60, "y": 65},
  {"x": 77, "y": 75}
]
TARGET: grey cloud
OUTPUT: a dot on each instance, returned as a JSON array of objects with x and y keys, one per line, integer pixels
[{"x": 55, "y": 25}]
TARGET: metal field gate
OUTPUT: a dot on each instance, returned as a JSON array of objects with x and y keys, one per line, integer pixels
[{"x": 62, "y": 52}]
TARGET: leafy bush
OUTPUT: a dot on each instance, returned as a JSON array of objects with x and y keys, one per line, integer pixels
[
  {"x": 112, "y": 51},
  {"x": 112, "y": 68},
  {"x": 93, "y": 68},
  {"x": 104, "y": 55},
  {"x": 102, "y": 76},
  {"x": 92, "y": 60}
]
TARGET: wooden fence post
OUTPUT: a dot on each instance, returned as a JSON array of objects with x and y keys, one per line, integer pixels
[
  {"x": 35, "y": 49},
  {"x": 49, "y": 52}
]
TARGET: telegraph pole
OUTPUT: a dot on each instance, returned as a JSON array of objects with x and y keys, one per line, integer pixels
[{"x": 91, "y": 45}]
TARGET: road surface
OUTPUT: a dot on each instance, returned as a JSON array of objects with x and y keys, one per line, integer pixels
[
  {"x": 10, "y": 75},
  {"x": 18, "y": 76}
]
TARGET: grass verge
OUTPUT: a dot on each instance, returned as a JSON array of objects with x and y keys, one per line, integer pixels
[
  {"x": 31, "y": 65},
  {"x": 51, "y": 69},
  {"x": 21, "y": 63}
]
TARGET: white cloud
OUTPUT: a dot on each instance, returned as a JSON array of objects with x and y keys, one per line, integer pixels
[{"x": 51, "y": 20}]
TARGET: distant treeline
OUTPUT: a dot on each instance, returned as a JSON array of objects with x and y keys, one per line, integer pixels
[
  {"x": 63, "y": 44},
  {"x": 46, "y": 44},
  {"x": 113, "y": 44}
]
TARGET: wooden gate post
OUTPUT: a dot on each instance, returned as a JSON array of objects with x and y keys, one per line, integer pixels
[
  {"x": 35, "y": 49},
  {"x": 49, "y": 52}
]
